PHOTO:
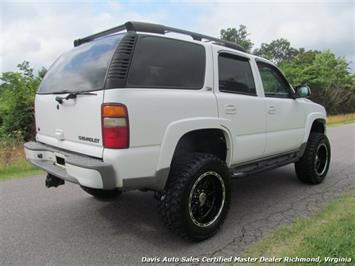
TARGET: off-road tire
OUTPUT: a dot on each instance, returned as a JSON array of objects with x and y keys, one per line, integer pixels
[
  {"x": 102, "y": 194},
  {"x": 175, "y": 203},
  {"x": 306, "y": 169}
]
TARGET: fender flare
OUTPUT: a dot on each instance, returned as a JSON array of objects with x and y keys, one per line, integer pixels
[
  {"x": 309, "y": 122},
  {"x": 177, "y": 129}
]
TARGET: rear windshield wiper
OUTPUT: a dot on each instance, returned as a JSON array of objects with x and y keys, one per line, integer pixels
[{"x": 71, "y": 95}]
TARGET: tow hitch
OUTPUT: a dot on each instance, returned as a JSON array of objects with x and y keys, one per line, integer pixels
[{"x": 53, "y": 181}]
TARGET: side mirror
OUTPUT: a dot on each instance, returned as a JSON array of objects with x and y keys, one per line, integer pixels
[{"x": 303, "y": 91}]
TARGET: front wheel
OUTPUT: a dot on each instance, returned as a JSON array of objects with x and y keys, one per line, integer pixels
[
  {"x": 197, "y": 196},
  {"x": 314, "y": 164}
]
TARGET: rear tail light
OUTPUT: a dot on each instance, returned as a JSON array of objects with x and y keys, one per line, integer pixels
[{"x": 115, "y": 127}]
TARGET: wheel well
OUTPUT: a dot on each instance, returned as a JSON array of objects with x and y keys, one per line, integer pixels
[
  {"x": 211, "y": 141},
  {"x": 318, "y": 126}
]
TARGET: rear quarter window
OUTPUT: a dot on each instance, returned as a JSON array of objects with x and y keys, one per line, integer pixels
[{"x": 167, "y": 63}]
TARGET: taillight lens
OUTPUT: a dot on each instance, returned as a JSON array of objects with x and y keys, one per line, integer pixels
[{"x": 115, "y": 127}]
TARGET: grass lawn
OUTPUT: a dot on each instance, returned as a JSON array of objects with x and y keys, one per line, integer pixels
[
  {"x": 330, "y": 233},
  {"x": 336, "y": 120},
  {"x": 19, "y": 168},
  {"x": 12, "y": 161}
]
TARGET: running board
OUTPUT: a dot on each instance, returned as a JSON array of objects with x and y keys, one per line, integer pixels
[{"x": 263, "y": 165}]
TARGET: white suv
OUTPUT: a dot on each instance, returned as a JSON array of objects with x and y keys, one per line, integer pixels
[{"x": 130, "y": 108}]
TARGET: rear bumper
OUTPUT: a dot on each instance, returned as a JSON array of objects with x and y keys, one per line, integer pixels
[{"x": 79, "y": 169}]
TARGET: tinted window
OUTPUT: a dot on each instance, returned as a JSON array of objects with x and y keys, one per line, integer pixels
[
  {"x": 81, "y": 69},
  {"x": 274, "y": 83},
  {"x": 235, "y": 75},
  {"x": 166, "y": 63}
]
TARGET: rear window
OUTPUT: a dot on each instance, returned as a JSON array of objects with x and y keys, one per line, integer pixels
[
  {"x": 166, "y": 63},
  {"x": 81, "y": 69}
]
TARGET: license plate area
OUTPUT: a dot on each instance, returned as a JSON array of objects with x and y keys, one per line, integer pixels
[{"x": 59, "y": 160}]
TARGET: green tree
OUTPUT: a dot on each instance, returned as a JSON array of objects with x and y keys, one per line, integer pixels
[
  {"x": 16, "y": 101},
  {"x": 277, "y": 51},
  {"x": 299, "y": 68},
  {"x": 238, "y": 36},
  {"x": 328, "y": 76}
]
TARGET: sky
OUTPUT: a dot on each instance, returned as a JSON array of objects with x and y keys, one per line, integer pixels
[{"x": 39, "y": 31}]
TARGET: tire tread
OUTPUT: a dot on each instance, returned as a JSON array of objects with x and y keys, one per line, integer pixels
[
  {"x": 305, "y": 166},
  {"x": 170, "y": 208}
]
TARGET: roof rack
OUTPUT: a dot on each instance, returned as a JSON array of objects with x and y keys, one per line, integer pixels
[{"x": 156, "y": 28}]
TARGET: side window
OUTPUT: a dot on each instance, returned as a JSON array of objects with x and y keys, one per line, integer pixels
[
  {"x": 274, "y": 83},
  {"x": 167, "y": 63},
  {"x": 235, "y": 75}
]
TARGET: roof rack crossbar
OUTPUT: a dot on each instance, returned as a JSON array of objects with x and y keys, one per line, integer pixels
[{"x": 156, "y": 28}]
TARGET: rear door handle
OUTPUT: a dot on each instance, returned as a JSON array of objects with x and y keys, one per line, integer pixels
[
  {"x": 271, "y": 110},
  {"x": 230, "y": 109}
]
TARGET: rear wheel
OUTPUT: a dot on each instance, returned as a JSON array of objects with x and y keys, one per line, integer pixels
[
  {"x": 314, "y": 164},
  {"x": 197, "y": 196},
  {"x": 102, "y": 194}
]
